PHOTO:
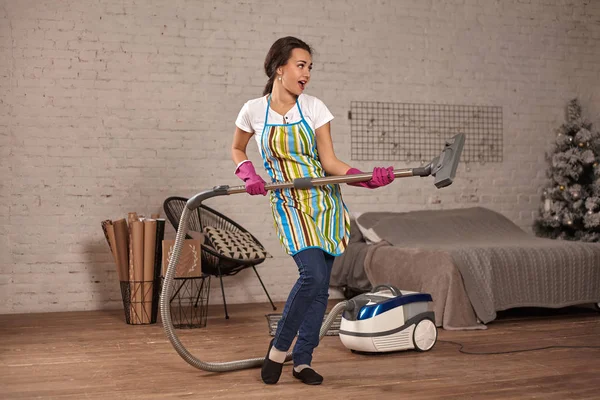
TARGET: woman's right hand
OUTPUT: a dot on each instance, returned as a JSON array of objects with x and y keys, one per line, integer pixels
[{"x": 255, "y": 184}]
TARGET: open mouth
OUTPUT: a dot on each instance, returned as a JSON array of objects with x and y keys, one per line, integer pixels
[{"x": 302, "y": 84}]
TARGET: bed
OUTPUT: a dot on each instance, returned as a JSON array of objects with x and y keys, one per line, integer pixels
[{"x": 473, "y": 261}]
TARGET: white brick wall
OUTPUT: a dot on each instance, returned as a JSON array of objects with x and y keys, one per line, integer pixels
[{"x": 111, "y": 106}]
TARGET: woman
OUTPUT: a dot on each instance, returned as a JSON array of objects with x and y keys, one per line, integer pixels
[{"x": 292, "y": 130}]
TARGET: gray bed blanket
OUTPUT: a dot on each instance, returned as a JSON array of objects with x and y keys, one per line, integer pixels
[
  {"x": 348, "y": 270},
  {"x": 500, "y": 265},
  {"x": 424, "y": 271}
]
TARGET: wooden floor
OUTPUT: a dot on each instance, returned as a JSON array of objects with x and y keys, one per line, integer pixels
[{"x": 95, "y": 355}]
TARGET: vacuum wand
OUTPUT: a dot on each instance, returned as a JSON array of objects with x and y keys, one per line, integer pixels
[
  {"x": 307, "y": 183},
  {"x": 442, "y": 167}
]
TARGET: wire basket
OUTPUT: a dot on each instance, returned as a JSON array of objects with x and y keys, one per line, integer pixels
[
  {"x": 140, "y": 301},
  {"x": 189, "y": 301},
  {"x": 334, "y": 329}
]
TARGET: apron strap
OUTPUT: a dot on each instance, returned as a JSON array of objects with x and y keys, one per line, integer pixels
[
  {"x": 267, "y": 112},
  {"x": 299, "y": 109}
]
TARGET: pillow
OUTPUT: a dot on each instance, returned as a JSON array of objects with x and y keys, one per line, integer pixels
[
  {"x": 196, "y": 235},
  {"x": 368, "y": 234},
  {"x": 238, "y": 245}
]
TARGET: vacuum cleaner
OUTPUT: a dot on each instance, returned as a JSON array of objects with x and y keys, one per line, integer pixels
[
  {"x": 387, "y": 319},
  {"x": 382, "y": 320}
]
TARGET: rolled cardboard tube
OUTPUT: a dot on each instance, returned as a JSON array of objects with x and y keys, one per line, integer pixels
[
  {"x": 122, "y": 248},
  {"x": 137, "y": 237},
  {"x": 149, "y": 250}
]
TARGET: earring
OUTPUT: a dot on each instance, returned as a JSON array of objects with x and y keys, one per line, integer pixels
[{"x": 279, "y": 78}]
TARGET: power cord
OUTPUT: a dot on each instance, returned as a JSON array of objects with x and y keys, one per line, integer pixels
[{"x": 515, "y": 351}]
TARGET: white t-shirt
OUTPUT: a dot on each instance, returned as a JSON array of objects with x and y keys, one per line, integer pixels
[{"x": 252, "y": 115}]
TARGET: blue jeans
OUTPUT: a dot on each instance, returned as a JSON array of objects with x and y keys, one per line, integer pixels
[{"x": 305, "y": 307}]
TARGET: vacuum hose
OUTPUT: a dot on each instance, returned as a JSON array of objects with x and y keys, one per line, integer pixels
[
  {"x": 165, "y": 314},
  {"x": 443, "y": 168}
]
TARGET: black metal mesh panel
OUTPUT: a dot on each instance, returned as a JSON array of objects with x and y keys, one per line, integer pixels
[
  {"x": 334, "y": 329},
  {"x": 417, "y": 132}
]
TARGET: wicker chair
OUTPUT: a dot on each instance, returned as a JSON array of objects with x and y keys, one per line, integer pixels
[{"x": 215, "y": 262}]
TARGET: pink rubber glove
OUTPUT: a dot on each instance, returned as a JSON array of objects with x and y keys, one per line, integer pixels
[
  {"x": 254, "y": 183},
  {"x": 381, "y": 177}
]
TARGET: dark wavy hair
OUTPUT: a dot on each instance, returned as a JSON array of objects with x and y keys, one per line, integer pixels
[{"x": 278, "y": 55}]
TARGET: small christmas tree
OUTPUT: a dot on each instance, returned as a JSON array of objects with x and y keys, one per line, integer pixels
[{"x": 570, "y": 206}]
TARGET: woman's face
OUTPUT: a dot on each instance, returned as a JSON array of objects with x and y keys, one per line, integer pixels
[{"x": 296, "y": 73}]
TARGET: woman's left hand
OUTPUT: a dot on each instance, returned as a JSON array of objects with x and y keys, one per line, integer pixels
[{"x": 381, "y": 177}]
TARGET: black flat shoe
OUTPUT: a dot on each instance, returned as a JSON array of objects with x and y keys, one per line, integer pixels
[
  {"x": 308, "y": 376},
  {"x": 271, "y": 370}
]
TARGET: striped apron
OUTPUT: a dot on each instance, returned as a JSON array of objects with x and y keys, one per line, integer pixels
[{"x": 304, "y": 218}]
